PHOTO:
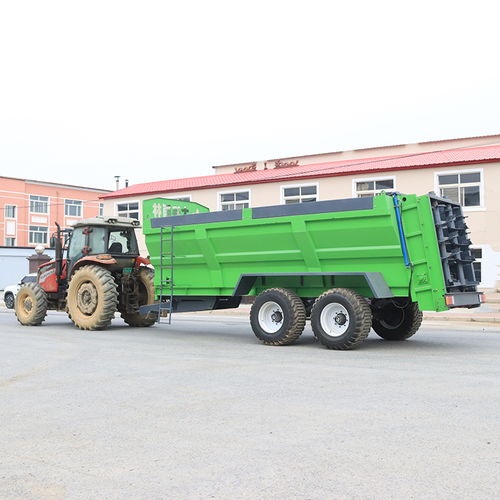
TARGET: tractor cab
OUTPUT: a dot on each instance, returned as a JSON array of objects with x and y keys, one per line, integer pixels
[{"x": 109, "y": 240}]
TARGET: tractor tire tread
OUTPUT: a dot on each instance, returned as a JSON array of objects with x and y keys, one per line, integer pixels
[
  {"x": 140, "y": 320},
  {"x": 41, "y": 305},
  {"x": 110, "y": 299}
]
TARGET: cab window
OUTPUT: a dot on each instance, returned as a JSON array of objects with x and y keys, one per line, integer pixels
[
  {"x": 122, "y": 241},
  {"x": 77, "y": 243},
  {"x": 98, "y": 240}
]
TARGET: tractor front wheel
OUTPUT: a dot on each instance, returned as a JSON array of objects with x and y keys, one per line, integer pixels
[
  {"x": 31, "y": 304},
  {"x": 146, "y": 296},
  {"x": 92, "y": 298}
]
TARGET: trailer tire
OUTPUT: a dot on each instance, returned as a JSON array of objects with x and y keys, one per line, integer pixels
[
  {"x": 341, "y": 319},
  {"x": 278, "y": 316},
  {"x": 31, "y": 304},
  {"x": 92, "y": 298},
  {"x": 146, "y": 287},
  {"x": 395, "y": 322}
]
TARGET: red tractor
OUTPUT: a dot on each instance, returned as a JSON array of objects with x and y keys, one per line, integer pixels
[{"x": 96, "y": 272}]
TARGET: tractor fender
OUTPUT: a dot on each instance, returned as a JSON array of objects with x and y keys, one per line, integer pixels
[
  {"x": 101, "y": 260},
  {"x": 142, "y": 260}
]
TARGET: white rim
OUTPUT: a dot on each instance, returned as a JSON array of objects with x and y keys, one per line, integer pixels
[
  {"x": 334, "y": 319},
  {"x": 271, "y": 317}
]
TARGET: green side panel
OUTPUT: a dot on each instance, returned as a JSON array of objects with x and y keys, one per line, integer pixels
[{"x": 211, "y": 257}]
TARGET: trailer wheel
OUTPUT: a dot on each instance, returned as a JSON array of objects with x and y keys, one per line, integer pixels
[
  {"x": 341, "y": 319},
  {"x": 146, "y": 292},
  {"x": 394, "y": 321},
  {"x": 31, "y": 304},
  {"x": 92, "y": 298},
  {"x": 278, "y": 316}
]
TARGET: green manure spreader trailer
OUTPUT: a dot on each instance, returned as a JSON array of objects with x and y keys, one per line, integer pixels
[{"x": 349, "y": 265}]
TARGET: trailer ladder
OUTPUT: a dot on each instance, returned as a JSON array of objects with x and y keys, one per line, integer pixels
[{"x": 166, "y": 288}]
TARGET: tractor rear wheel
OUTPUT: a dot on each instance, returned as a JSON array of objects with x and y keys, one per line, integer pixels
[
  {"x": 395, "y": 321},
  {"x": 341, "y": 319},
  {"x": 278, "y": 316},
  {"x": 92, "y": 298},
  {"x": 146, "y": 292},
  {"x": 31, "y": 304}
]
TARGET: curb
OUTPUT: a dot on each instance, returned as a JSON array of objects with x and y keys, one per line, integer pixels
[{"x": 462, "y": 319}]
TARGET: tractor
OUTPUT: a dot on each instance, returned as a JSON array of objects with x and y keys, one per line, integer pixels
[{"x": 97, "y": 271}]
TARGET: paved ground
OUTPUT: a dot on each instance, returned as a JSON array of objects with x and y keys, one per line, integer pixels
[{"x": 201, "y": 410}]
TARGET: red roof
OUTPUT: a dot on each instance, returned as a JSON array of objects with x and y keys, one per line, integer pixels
[{"x": 444, "y": 158}]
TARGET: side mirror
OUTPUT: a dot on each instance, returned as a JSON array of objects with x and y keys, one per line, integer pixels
[{"x": 53, "y": 241}]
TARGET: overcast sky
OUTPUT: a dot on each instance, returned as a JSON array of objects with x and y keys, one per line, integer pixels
[{"x": 155, "y": 90}]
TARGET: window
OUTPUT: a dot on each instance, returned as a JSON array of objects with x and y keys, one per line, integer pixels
[
  {"x": 234, "y": 201},
  {"x": 477, "y": 253},
  {"x": 101, "y": 209},
  {"x": 10, "y": 211},
  {"x": 181, "y": 198},
  {"x": 463, "y": 188},
  {"x": 371, "y": 187},
  {"x": 300, "y": 194},
  {"x": 39, "y": 204},
  {"x": 72, "y": 208},
  {"x": 130, "y": 209},
  {"x": 10, "y": 242},
  {"x": 38, "y": 235}
]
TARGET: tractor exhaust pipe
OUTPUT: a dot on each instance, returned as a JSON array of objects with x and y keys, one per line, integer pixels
[{"x": 58, "y": 252}]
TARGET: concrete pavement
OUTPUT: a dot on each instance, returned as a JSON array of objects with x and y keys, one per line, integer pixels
[{"x": 200, "y": 409}]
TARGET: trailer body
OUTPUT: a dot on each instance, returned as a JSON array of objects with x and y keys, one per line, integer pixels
[{"x": 382, "y": 247}]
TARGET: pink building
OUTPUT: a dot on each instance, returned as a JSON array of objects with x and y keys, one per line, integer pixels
[{"x": 30, "y": 208}]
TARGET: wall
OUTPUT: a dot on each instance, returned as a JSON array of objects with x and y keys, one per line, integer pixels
[
  {"x": 14, "y": 264},
  {"x": 401, "y": 149},
  {"x": 17, "y": 192}
]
